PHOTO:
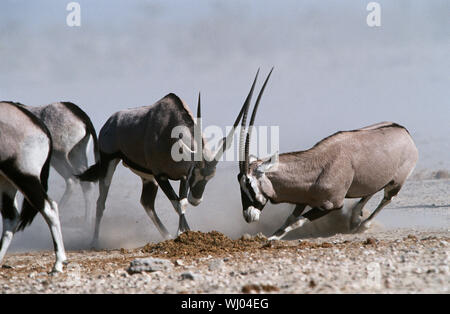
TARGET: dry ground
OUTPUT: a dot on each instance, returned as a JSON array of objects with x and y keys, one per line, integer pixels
[{"x": 392, "y": 262}]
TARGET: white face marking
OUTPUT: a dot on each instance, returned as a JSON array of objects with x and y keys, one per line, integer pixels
[
  {"x": 251, "y": 214},
  {"x": 194, "y": 201},
  {"x": 244, "y": 188},
  {"x": 255, "y": 186}
]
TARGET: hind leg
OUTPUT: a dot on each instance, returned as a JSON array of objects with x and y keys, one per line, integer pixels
[
  {"x": 62, "y": 165},
  {"x": 51, "y": 216},
  {"x": 10, "y": 215},
  {"x": 79, "y": 161},
  {"x": 36, "y": 197},
  {"x": 356, "y": 215},
  {"x": 103, "y": 187},
  {"x": 149, "y": 190},
  {"x": 390, "y": 191}
]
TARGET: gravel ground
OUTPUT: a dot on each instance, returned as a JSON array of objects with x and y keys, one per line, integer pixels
[
  {"x": 406, "y": 252},
  {"x": 402, "y": 261}
]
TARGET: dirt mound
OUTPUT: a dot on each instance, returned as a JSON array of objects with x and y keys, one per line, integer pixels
[
  {"x": 197, "y": 244},
  {"x": 194, "y": 244}
]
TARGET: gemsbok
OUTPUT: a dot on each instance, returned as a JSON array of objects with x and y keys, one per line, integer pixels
[
  {"x": 347, "y": 164},
  {"x": 70, "y": 128},
  {"x": 25, "y": 153},
  {"x": 143, "y": 139}
]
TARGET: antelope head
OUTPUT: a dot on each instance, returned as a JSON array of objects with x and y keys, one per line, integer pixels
[
  {"x": 250, "y": 174},
  {"x": 205, "y": 168}
]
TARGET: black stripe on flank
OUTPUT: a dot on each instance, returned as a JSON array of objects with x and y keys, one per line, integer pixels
[
  {"x": 30, "y": 186},
  {"x": 134, "y": 165}
]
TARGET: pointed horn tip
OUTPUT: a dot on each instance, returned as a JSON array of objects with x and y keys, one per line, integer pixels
[{"x": 199, "y": 106}]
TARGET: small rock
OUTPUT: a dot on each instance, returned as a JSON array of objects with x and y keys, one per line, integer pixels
[
  {"x": 149, "y": 264},
  {"x": 179, "y": 262},
  {"x": 188, "y": 276},
  {"x": 370, "y": 241}
]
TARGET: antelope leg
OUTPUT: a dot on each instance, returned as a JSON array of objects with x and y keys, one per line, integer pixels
[
  {"x": 178, "y": 204},
  {"x": 294, "y": 221}
]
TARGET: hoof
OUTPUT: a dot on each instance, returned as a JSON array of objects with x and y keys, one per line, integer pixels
[
  {"x": 57, "y": 269},
  {"x": 364, "y": 227}
]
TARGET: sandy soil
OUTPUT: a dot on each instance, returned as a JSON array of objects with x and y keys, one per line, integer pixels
[
  {"x": 402, "y": 261},
  {"x": 407, "y": 252}
]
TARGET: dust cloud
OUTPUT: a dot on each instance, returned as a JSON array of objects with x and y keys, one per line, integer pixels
[{"x": 332, "y": 72}]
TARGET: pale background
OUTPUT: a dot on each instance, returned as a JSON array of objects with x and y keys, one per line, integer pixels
[{"x": 332, "y": 72}]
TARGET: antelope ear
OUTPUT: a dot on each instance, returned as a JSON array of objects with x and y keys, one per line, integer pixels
[
  {"x": 270, "y": 164},
  {"x": 252, "y": 158}
]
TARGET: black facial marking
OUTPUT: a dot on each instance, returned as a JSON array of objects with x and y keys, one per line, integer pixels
[{"x": 245, "y": 199}]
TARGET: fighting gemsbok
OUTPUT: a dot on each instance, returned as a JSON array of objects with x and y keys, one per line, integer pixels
[
  {"x": 143, "y": 139},
  {"x": 347, "y": 164},
  {"x": 25, "y": 153},
  {"x": 70, "y": 128}
]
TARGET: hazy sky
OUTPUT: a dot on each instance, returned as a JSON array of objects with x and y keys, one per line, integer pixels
[{"x": 332, "y": 71}]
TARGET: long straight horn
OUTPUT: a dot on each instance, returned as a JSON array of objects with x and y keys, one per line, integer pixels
[
  {"x": 199, "y": 113},
  {"x": 198, "y": 132},
  {"x": 244, "y": 122},
  {"x": 226, "y": 141},
  {"x": 252, "y": 120}
]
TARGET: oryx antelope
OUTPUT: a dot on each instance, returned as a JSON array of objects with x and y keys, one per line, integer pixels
[
  {"x": 347, "y": 164},
  {"x": 25, "y": 152},
  {"x": 142, "y": 139},
  {"x": 70, "y": 128}
]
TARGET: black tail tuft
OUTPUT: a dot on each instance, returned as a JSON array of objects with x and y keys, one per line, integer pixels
[
  {"x": 26, "y": 215},
  {"x": 94, "y": 172}
]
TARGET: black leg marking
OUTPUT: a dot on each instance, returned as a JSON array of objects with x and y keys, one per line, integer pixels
[
  {"x": 167, "y": 188},
  {"x": 316, "y": 213},
  {"x": 184, "y": 187},
  {"x": 175, "y": 200},
  {"x": 8, "y": 209}
]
